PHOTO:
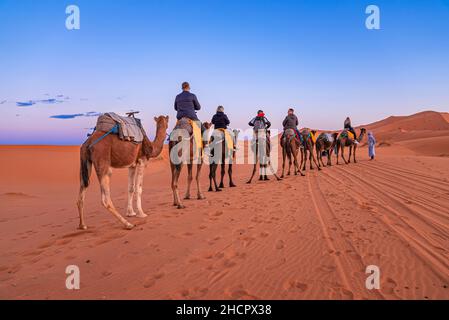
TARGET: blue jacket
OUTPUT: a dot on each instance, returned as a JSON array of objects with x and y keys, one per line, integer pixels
[
  {"x": 187, "y": 104},
  {"x": 220, "y": 120}
]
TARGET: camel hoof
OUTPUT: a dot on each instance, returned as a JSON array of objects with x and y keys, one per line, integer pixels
[
  {"x": 82, "y": 227},
  {"x": 187, "y": 198},
  {"x": 218, "y": 190},
  {"x": 142, "y": 215},
  {"x": 232, "y": 186},
  {"x": 131, "y": 214},
  {"x": 181, "y": 206},
  {"x": 129, "y": 226},
  {"x": 221, "y": 186},
  {"x": 201, "y": 197}
]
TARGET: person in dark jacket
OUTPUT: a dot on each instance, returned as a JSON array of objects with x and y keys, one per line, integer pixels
[
  {"x": 348, "y": 126},
  {"x": 220, "y": 119},
  {"x": 291, "y": 121},
  {"x": 260, "y": 122},
  {"x": 186, "y": 104}
]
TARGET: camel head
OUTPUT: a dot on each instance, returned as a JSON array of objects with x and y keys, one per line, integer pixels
[
  {"x": 362, "y": 134},
  {"x": 162, "y": 122}
]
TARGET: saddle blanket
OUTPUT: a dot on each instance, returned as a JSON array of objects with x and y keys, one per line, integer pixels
[
  {"x": 130, "y": 129},
  {"x": 228, "y": 138},
  {"x": 195, "y": 130}
]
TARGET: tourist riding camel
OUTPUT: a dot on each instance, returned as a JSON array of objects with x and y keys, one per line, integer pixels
[
  {"x": 119, "y": 142},
  {"x": 345, "y": 139},
  {"x": 348, "y": 126},
  {"x": 290, "y": 143},
  {"x": 308, "y": 141},
  {"x": 187, "y": 143},
  {"x": 291, "y": 122},
  {"x": 186, "y": 105},
  {"x": 222, "y": 145},
  {"x": 261, "y": 146}
]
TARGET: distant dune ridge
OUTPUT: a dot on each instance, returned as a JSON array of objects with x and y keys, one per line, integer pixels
[{"x": 425, "y": 133}]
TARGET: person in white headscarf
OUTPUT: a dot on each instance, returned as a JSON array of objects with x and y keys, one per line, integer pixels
[{"x": 371, "y": 145}]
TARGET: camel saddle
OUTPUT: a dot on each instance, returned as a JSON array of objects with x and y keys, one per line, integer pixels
[
  {"x": 127, "y": 128},
  {"x": 193, "y": 128},
  {"x": 347, "y": 134}
]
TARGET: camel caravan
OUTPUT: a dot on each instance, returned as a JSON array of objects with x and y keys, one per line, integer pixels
[{"x": 121, "y": 142}]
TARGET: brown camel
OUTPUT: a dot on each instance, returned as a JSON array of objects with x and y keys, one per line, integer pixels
[
  {"x": 325, "y": 142},
  {"x": 345, "y": 141},
  {"x": 181, "y": 150},
  {"x": 218, "y": 143},
  {"x": 261, "y": 147},
  {"x": 308, "y": 146},
  {"x": 111, "y": 152},
  {"x": 290, "y": 146}
]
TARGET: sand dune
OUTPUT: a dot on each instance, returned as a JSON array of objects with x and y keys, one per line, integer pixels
[{"x": 303, "y": 238}]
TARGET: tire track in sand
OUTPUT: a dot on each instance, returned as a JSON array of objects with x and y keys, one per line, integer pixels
[{"x": 420, "y": 247}]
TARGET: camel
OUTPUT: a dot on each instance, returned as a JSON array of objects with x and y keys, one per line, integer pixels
[
  {"x": 111, "y": 152},
  {"x": 325, "y": 142},
  {"x": 262, "y": 140},
  {"x": 290, "y": 146},
  {"x": 308, "y": 146},
  {"x": 186, "y": 157},
  {"x": 226, "y": 154},
  {"x": 344, "y": 141}
]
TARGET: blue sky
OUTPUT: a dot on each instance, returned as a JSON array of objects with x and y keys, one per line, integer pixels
[{"x": 316, "y": 56}]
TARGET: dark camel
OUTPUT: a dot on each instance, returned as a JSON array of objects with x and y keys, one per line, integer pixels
[
  {"x": 325, "y": 142},
  {"x": 181, "y": 150},
  {"x": 290, "y": 146},
  {"x": 219, "y": 146},
  {"x": 111, "y": 152},
  {"x": 308, "y": 146},
  {"x": 344, "y": 141}
]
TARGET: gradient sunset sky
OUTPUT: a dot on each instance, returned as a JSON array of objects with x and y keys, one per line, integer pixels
[{"x": 315, "y": 56}]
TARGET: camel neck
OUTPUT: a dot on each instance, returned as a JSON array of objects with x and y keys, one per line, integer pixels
[{"x": 158, "y": 142}]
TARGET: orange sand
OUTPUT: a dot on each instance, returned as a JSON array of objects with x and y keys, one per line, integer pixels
[{"x": 308, "y": 237}]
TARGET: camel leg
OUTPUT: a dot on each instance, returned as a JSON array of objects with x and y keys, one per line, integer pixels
[
  {"x": 350, "y": 154},
  {"x": 131, "y": 190},
  {"x": 284, "y": 155},
  {"x": 176, "y": 171},
  {"x": 213, "y": 178},
  {"x": 222, "y": 173},
  {"x": 312, "y": 157},
  {"x": 355, "y": 148},
  {"x": 252, "y": 175},
  {"x": 189, "y": 180},
  {"x": 107, "y": 201},
  {"x": 297, "y": 166},
  {"x": 198, "y": 184},
  {"x": 231, "y": 182},
  {"x": 343, "y": 154},
  {"x": 139, "y": 189},
  {"x": 85, "y": 171}
]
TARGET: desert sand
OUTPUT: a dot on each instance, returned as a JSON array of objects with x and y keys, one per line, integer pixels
[{"x": 302, "y": 238}]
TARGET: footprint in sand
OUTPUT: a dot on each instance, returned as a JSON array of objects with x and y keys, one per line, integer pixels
[
  {"x": 389, "y": 286},
  {"x": 151, "y": 280},
  {"x": 296, "y": 286},
  {"x": 240, "y": 293},
  {"x": 280, "y": 244}
]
